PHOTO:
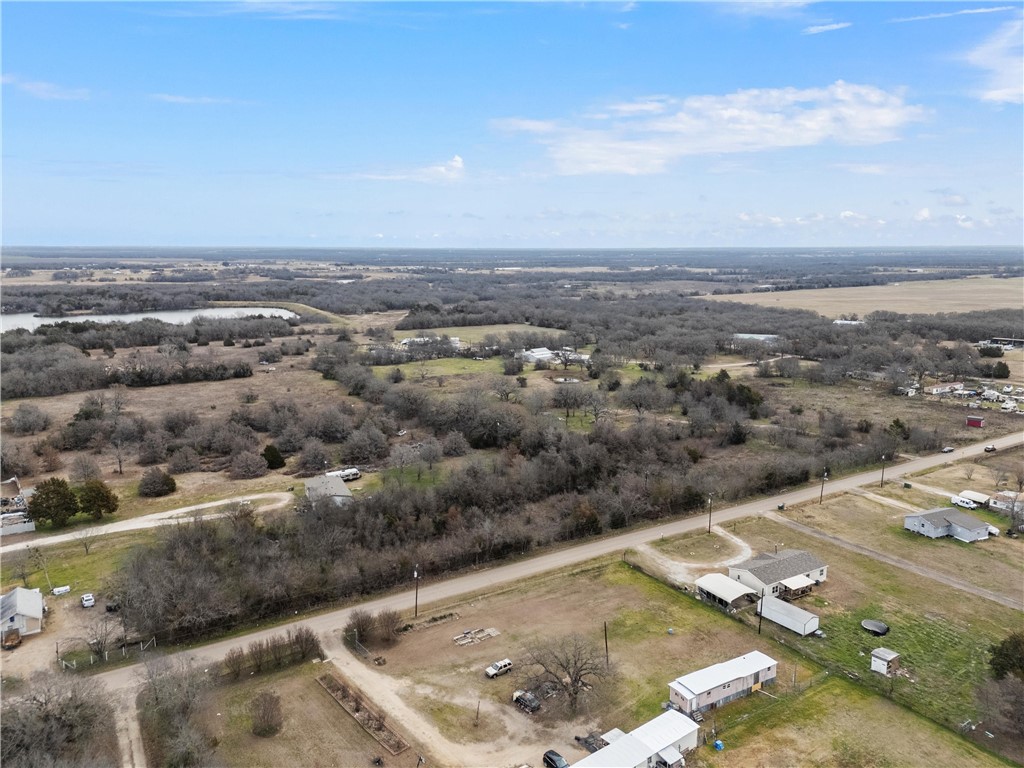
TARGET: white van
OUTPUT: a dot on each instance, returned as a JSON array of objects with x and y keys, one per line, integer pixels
[
  {"x": 960, "y": 501},
  {"x": 349, "y": 474}
]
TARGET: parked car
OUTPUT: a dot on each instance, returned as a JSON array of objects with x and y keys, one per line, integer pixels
[
  {"x": 88, "y": 600},
  {"x": 499, "y": 668},
  {"x": 526, "y": 701},
  {"x": 989, "y": 448},
  {"x": 554, "y": 760},
  {"x": 948, "y": 449}
]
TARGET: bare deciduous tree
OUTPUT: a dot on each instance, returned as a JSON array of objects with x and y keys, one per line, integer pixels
[
  {"x": 266, "y": 713},
  {"x": 572, "y": 664}
]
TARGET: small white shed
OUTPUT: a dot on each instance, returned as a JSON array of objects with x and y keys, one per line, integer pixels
[{"x": 885, "y": 662}]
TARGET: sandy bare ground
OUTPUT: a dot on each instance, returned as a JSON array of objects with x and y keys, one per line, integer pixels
[{"x": 681, "y": 572}]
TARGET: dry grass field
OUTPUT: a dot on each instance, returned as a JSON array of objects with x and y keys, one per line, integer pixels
[
  {"x": 838, "y": 725},
  {"x": 996, "y": 564},
  {"x": 317, "y": 732},
  {"x": 924, "y": 297}
]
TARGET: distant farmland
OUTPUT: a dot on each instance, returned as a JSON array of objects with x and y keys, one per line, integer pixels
[{"x": 925, "y": 297}]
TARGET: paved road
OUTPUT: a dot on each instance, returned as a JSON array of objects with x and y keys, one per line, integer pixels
[{"x": 278, "y": 500}]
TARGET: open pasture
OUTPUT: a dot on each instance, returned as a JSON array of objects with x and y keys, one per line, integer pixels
[{"x": 917, "y": 297}]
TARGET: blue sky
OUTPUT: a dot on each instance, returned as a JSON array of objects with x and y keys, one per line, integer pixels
[{"x": 512, "y": 125}]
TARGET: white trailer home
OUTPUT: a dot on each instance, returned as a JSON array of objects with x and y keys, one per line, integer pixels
[
  {"x": 788, "y": 615},
  {"x": 942, "y": 522},
  {"x": 721, "y": 683}
]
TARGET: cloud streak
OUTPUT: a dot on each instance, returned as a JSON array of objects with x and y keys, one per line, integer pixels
[
  {"x": 817, "y": 30},
  {"x": 45, "y": 91},
  {"x": 950, "y": 14},
  {"x": 647, "y": 140}
]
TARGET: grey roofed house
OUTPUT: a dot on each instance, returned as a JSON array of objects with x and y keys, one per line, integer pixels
[
  {"x": 791, "y": 571},
  {"x": 22, "y": 609},
  {"x": 941, "y": 522},
  {"x": 328, "y": 487}
]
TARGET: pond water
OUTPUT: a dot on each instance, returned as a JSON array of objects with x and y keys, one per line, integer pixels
[{"x": 180, "y": 316}]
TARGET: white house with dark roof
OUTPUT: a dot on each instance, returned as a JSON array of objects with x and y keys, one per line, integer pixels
[
  {"x": 942, "y": 522},
  {"x": 659, "y": 742},
  {"x": 788, "y": 573},
  {"x": 22, "y": 609},
  {"x": 721, "y": 683},
  {"x": 328, "y": 487}
]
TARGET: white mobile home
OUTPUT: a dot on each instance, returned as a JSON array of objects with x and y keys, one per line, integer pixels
[
  {"x": 1007, "y": 502},
  {"x": 941, "y": 522},
  {"x": 659, "y": 742},
  {"x": 720, "y": 683}
]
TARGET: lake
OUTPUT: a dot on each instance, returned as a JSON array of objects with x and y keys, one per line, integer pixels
[{"x": 178, "y": 316}]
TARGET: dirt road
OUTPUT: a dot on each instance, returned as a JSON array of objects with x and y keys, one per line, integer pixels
[{"x": 277, "y": 500}]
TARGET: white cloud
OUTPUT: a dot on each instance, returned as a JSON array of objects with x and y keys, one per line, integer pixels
[
  {"x": 948, "y": 14},
  {"x": 964, "y": 222},
  {"x": 923, "y": 215},
  {"x": 954, "y": 201},
  {"x": 170, "y": 98},
  {"x": 817, "y": 30},
  {"x": 645, "y": 136},
  {"x": 40, "y": 89},
  {"x": 452, "y": 170},
  {"x": 768, "y": 8},
  {"x": 852, "y": 216},
  {"x": 1002, "y": 56}
]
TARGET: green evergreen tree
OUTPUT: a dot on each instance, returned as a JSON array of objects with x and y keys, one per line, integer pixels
[
  {"x": 53, "y": 502},
  {"x": 96, "y": 499},
  {"x": 273, "y": 457}
]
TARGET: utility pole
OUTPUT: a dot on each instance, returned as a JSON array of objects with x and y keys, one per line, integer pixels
[
  {"x": 607, "y": 663},
  {"x": 882, "y": 481},
  {"x": 760, "y": 612},
  {"x": 824, "y": 477},
  {"x": 416, "y": 579},
  {"x": 709, "y": 513}
]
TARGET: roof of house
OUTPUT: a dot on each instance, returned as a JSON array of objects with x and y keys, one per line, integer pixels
[
  {"x": 884, "y": 654},
  {"x": 696, "y": 683},
  {"x": 944, "y": 516},
  {"x": 21, "y": 601},
  {"x": 722, "y": 587},
  {"x": 325, "y": 486},
  {"x": 771, "y": 568},
  {"x": 655, "y": 737}
]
